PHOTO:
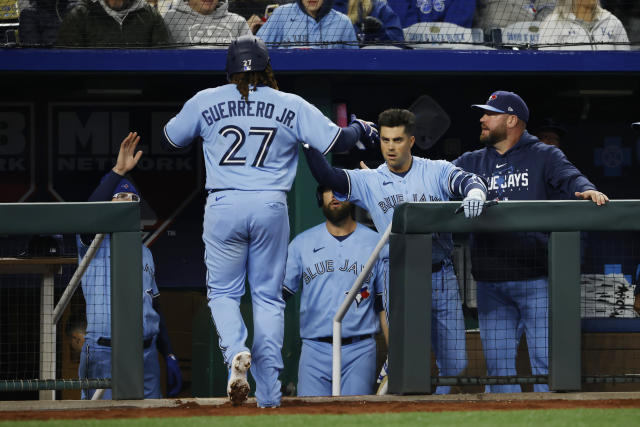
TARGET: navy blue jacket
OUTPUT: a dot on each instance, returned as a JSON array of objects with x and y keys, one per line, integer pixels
[{"x": 530, "y": 170}]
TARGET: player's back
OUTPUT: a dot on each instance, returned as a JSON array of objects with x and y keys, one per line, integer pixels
[{"x": 254, "y": 145}]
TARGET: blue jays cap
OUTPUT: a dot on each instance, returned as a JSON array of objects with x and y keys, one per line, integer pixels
[
  {"x": 636, "y": 125},
  {"x": 125, "y": 186},
  {"x": 507, "y": 103}
]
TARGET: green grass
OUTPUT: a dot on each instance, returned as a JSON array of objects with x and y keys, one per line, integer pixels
[{"x": 555, "y": 417}]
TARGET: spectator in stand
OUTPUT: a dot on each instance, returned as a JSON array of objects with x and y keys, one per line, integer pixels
[
  {"x": 309, "y": 23},
  {"x": 500, "y": 13},
  {"x": 373, "y": 20},
  {"x": 40, "y": 20},
  {"x": 582, "y": 25},
  {"x": 459, "y": 12},
  {"x": 255, "y": 12},
  {"x": 204, "y": 21},
  {"x": 113, "y": 23}
]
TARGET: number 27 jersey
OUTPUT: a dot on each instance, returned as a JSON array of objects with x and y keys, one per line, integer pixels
[{"x": 250, "y": 145}]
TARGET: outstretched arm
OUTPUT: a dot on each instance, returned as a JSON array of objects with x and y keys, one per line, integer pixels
[
  {"x": 326, "y": 175},
  {"x": 358, "y": 130},
  {"x": 470, "y": 186}
]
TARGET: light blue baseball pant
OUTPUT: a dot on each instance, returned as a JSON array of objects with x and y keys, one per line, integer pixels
[
  {"x": 95, "y": 362},
  {"x": 246, "y": 235},
  {"x": 448, "y": 337},
  {"x": 358, "y": 373},
  {"x": 504, "y": 308}
]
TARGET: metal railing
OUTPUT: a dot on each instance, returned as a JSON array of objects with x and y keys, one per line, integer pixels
[{"x": 122, "y": 220}]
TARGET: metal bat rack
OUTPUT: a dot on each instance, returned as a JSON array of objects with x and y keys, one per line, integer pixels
[{"x": 337, "y": 320}]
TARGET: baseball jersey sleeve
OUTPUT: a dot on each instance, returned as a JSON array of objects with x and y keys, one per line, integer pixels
[
  {"x": 315, "y": 128},
  {"x": 357, "y": 186},
  {"x": 446, "y": 176},
  {"x": 155, "y": 292},
  {"x": 293, "y": 273},
  {"x": 185, "y": 126},
  {"x": 379, "y": 278}
]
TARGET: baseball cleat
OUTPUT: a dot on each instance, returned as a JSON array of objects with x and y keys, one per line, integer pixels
[{"x": 238, "y": 386}]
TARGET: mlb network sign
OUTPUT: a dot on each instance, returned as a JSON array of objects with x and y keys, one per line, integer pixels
[
  {"x": 16, "y": 152},
  {"x": 84, "y": 144}
]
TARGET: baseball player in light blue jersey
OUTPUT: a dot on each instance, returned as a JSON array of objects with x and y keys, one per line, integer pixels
[
  {"x": 251, "y": 132},
  {"x": 95, "y": 358},
  {"x": 404, "y": 178},
  {"x": 326, "y": 260}
]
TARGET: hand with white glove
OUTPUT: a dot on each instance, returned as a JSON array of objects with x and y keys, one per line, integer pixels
[{"x": 473, "y": 202}]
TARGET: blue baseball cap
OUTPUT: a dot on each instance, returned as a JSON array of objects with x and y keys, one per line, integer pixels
[
  {"x": 125, "y": 186},
  {"x": 507, "y": 103},
  {"x": 636, "y": 125}
]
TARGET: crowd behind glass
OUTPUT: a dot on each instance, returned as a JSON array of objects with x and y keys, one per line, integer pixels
[{"x": 350, "y": 24}]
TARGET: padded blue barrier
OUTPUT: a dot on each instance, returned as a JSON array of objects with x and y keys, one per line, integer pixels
[{"x": 322, "y": 60}]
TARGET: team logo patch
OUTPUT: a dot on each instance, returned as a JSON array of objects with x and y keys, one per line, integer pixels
[
  {"x": 492, "y": 97},
  {"x": 362, "y": 295}
]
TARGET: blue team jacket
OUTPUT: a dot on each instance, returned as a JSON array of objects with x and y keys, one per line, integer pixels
[
  {"x": 392, "y": 29},
  {"x": 458, "y": 12},
  {"x": 530, "y": 170},
  {"x": 290, "y": 26}
]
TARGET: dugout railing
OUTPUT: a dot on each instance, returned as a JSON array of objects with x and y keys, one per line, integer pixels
[
  {"x": 122, "y": 221},
  {"x": 410, "y": 282}
]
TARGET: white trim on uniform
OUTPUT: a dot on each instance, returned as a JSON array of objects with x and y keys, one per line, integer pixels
[
  {"x": 332, "y": 142},
  {"x": 166, "y": 135}
]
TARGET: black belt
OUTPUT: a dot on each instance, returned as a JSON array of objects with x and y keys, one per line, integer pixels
[
  {"x": 107, "y": 342},
  {"x": 218, "y": 189},
  {"x": 345, "y": 341},
  {"x": 437, "y": 266}
]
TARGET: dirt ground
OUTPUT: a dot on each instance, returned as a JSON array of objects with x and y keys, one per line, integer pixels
[{"x": 295, "y": 406}]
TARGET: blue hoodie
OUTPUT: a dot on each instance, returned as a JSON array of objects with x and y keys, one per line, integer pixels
[
  {"x": 530, "y": 170},
  {"x": 392, "y": 29},
  {"x": 458, "y": 12},
  {"x": 291, "y": 26}
]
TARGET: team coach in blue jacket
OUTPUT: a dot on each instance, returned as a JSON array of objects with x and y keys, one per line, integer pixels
[{"x": 511, "y": 268}]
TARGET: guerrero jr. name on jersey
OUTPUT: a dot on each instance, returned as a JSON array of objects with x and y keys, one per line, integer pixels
[
  {"x": 327, "y": 266},
  {"x": 242, "y": 108},
  {"x": 389, "y": 203}
]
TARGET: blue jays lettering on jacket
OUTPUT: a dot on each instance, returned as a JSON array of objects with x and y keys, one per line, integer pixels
[
  {"x": 530, "y": 170},
  {"x": 458, "y": 12},
  {"x": 291, "y": 26},
  {"x": 392, "y": 27}
]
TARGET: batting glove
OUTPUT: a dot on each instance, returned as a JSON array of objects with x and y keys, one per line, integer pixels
[
  {"x": 174, "y": 376},
  {"x": 369, "y": 131},
  {"x": 472, "y": 204}
]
